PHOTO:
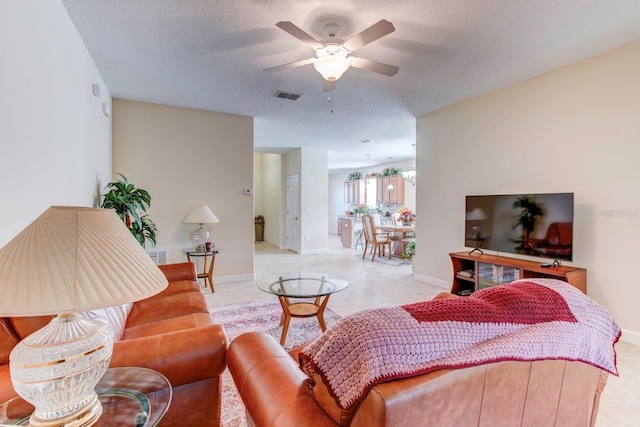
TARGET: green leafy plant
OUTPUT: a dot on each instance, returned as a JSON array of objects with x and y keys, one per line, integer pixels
[
  {"x": 530, "y": 209},
  {"x": 390, "y": 171},
  {"x": 410, "y": 249},
  {"x": 131, "y": 205},
  {"x": 355, "y": 175}
]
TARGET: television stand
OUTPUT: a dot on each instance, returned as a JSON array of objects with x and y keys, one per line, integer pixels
[{"x": 473, "y": 271}]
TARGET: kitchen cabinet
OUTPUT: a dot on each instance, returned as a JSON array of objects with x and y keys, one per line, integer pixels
[
  {"x": 354, "y": 192},
  {"x": 385, "y": 195}
]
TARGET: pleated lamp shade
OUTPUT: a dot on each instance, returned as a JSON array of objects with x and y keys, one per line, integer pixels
[
  {"x": 74, "y": 259},
  {"x": 201, "y": 215}
]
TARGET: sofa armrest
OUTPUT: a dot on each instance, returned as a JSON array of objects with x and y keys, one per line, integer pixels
[
  {"x": 274, "y": 390},
  {"x": 179, "y": 271},
  {"x": 183, "y": 356}
]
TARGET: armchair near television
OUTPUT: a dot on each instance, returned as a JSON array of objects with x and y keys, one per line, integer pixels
[{"x": 557, "y": 243}]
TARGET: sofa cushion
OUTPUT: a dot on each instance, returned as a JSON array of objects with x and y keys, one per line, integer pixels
[
  {"x": 8, "y": 340},
  {"x": 186, "y": 321},
  {"x": 161, "y": 307},
  {"x": 25, "y": 326}
]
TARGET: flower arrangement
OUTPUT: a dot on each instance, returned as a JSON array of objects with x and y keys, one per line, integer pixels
[
  {"x": 406, "y": 216},
  {"x": 258, "y": 220},
  {"x": 372, "y": 175},
  {"x": 355, "y": 175}
]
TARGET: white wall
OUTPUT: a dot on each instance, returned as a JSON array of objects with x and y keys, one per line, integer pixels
[
  {"x": 572, "y": 130},
  {"x": 54, "y": 139},
  {"x": 184, "y": 158}
]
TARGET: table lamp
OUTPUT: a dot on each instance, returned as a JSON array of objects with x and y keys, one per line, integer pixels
[
  {"x": 70, "y": 259},
  {"x": 476, "y": 215},
  {"x": 201, "y": 215}
]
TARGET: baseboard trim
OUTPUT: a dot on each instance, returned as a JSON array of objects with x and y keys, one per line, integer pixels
[
  {"x": 630, "y": 337},
  {"x": 445, "y": 284},
  {"x": 235, "y": 278}
]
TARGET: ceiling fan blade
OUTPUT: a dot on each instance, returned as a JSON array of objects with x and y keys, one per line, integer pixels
[
  {"x": 298, "y": 33},
  {"x": 376, "y": 67},
  {"x": 290, "y": 65},
  {"x": 373, "y": 33},
  {"x": 328, "y": 86}
]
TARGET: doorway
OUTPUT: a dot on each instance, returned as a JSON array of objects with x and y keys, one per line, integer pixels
[{"x": 293, "y": 223}]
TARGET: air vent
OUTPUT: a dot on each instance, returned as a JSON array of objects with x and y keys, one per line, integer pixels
[
  {"x": 159, "y": 256},
  {"x": 287, "y": 95}
]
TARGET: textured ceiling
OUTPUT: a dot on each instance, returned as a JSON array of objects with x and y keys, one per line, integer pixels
[{"x": 210, "y": 55}]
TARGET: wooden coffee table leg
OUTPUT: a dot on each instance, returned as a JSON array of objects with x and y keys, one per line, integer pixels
[
  {"x": 287, "y": 318},
  {"x": 320, "y": 313}
]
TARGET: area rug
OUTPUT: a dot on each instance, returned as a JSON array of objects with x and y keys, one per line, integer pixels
[
  {"x": 259, "y": 316},
  {"x": 385, "y": 260}
]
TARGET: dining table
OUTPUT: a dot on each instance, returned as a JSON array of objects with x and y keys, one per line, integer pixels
[{"x": 398, "y": 233}]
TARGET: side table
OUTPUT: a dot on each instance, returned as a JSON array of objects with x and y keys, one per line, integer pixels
[
  {"x": 207, "y": 257},
  {"x": 137, "y": 397}
]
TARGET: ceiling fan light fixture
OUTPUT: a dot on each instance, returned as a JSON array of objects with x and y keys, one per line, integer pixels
[
  {"x": 331, "y": 67},
  {"x": 332, "y": 61}
]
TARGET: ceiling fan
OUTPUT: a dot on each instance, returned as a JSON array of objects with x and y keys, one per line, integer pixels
[{"x": 332, "y": 54}]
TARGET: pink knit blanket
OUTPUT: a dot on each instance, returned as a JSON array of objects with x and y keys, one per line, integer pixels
[{"x": 527, "y": 320}]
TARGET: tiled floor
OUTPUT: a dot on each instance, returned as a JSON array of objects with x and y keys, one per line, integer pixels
[{"x": 373, "y": 284}]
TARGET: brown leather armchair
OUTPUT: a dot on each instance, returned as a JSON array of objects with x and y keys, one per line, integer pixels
[
  {"x": 171, "y": 332},
  {"x": 557, "y": 243},
  {"x": 276, "y": 393}
]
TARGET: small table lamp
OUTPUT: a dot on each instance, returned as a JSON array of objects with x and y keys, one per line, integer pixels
[
  {"x": 476, "y": 215},
  {"x": 69, "y": 260},
  {"x": 201, "y": 215}
]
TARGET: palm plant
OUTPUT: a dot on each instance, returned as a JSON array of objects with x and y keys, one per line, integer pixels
[
  {"x": 530, "y": 209},
  {"x": 131, "y": 204}
]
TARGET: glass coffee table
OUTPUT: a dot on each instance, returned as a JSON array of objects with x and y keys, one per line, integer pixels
[
  {"x": 137, "y": 397},
  {"x": 302, "y": 285}
]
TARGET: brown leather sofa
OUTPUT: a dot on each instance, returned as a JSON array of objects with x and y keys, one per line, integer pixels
[
  {"x": 277, "y": 393},
  {"x": 172, "y": 333},
  {"x": 557, "y": 242}
]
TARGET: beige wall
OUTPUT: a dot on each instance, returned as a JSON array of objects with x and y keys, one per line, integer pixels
[
  {"x": 55, "y": 142},
  {"x": 572, "y": 130},
  {"x": 314, "y": 200},
  {"x": 184, "y": 158}
]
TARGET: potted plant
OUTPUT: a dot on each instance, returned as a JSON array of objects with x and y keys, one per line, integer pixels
[
  {"x": 131, "y": 205},
  {"x": 390, "y": 171},
  {"x": 530, "y": 209},
  {"x": 409, "y": 252},
  {"x": 355, "y": 175}
]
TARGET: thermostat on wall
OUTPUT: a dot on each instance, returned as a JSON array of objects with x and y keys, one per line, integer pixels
[{"x": 248, "y": 191}]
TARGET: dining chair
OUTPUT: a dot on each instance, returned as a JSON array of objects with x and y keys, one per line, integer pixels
[{"x": 377, "y": 241}]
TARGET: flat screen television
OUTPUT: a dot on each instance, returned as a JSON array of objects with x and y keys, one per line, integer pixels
[{"x": 528, "y": 224}]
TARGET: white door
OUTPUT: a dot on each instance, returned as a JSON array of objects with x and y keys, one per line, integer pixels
[{"x": 293, "y": 223}]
